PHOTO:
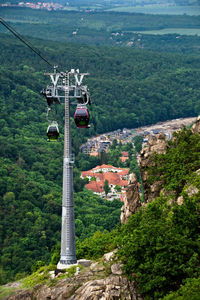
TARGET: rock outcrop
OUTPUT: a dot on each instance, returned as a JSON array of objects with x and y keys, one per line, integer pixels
[
  {"x": 196, "y": 126},
  {"x": 132, "y": 200},
  {"x": 155, "y": 144},
  {"x": 112, "y": 287},
  {"x": 90, "y": 284}
]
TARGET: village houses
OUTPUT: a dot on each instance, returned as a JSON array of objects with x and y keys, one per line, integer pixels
[{"x": 117, "y": 179}]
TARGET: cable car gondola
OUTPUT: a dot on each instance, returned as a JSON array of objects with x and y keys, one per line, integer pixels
[
  {"x": 52, "y": 132},
  {"x": 82, "y": 117}
]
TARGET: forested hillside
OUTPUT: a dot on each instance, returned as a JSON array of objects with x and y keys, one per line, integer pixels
[
  {"x": 108, "y": 28},
  {"x": 134, "y": 87}
]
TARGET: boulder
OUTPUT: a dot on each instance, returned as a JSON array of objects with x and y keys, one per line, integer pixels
[
  {"x": 84, "y": 262},
  {"x": 116, "y": 269}
]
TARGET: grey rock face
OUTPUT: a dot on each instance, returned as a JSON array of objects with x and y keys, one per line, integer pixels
[
  {"x": 132, "y": 200},
  {"x": 155, "y": 144}
]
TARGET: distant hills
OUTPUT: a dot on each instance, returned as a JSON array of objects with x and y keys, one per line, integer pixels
[{"x": 113, "y": 2}]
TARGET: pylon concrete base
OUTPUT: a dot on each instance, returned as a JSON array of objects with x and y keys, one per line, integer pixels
[{"x": 65, "y": 266}]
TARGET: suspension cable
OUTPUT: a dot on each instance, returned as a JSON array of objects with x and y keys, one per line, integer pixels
[{"x": 22, "y": 39}]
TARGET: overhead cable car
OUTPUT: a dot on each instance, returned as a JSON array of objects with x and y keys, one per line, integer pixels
[
  {"x": 52, "y": 132},
  {"x": 81, "y": 116}
]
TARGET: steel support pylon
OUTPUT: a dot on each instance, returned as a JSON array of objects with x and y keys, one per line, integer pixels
[{"x": 68, "y": 246}]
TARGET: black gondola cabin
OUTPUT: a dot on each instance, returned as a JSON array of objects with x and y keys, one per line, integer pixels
[
  {"x": 82, "y": 117},
  {"x": 52, "y": 132}
]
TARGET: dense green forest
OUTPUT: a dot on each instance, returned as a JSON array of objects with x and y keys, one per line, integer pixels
[
  {"x": 135, "y": 87},
  {"x": 107, "y": 28}
]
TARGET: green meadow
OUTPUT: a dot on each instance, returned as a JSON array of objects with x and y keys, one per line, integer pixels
[
  {"x": 160, "y": 9},
  {"x": 180, "y": 31}
]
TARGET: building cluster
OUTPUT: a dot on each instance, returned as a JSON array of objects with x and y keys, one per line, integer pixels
[
  {"x": 102, "y": 142},
  {"x": 117, "y": 179},
  {"x": 42, "y": 5},
  {"x": 39, "y": 5}
]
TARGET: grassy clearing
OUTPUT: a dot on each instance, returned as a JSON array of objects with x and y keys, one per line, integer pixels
[
  {"x": 70, "y": 8},
  {"x": 181, "y": 31},
  {"x": 160, "y": 9},
  {"x": 42, "y": 276},
  {"x": 7, "y": 291}
]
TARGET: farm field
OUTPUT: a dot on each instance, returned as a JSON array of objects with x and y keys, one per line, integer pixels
[
  {"x": 160, "y": 9},
  {"x": 181, "y": 31}
]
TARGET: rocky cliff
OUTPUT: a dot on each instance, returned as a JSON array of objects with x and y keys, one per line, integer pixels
[
  {"x": 196, "y": 126},
  {"x": 103, "y": 281},
  {"x": 132, "y": 200},
  {"x": 155, "y": 144}
]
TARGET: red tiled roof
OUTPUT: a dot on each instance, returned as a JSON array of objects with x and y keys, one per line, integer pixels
[
  {"x": 108, "y": 167},
  {"x": 87, "y": 173},
  {"x": 124, "y": 153},
  {"x": 103, "y": 167},
  {"x": 124, "y": 172},
  {"x": 95, "y": 186},
  {"x": 112, "y": 177},
  {"x": 123, "y": 183}
]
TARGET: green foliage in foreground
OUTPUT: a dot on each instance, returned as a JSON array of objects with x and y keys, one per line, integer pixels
[
  {"x": 160, "y": 244},
  {"x": 6, "y": 291},
  {"x": 159, "y": 248},
  {"x": 95, "y": 246},
  {"x": 42, "y": 276},
  {"x": 92, "y": 247},
  {"x": 189, "y": 291}
]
